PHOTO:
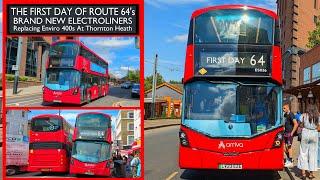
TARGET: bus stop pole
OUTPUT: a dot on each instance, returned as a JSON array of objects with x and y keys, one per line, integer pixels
[{"x": 18, "y": 60}]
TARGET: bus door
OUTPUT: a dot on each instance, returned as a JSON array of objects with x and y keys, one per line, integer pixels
[{"x": 83, "y": 86}]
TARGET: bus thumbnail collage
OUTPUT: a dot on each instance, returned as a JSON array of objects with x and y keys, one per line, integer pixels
[
  {"x": 72, "y": 106},
  {"x": 82, "y": 143}
]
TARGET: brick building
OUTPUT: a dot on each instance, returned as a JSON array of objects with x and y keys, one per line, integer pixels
[
  {"x": 167, "y": 103},
  {"x": 297, "y": 18},
  {"x": 308, "y": 91}
]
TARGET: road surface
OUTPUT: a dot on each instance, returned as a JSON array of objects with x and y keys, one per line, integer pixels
[
  {"x": 116, "y": 97},
  {"x": 161, "y": 160}
]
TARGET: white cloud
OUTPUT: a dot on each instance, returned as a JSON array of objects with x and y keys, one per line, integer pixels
[
  {"x": 178, "y": 38},
  {"x": 134, "y": 58},
  {"x": 114, "y": 42},
  {"x": 1, "y": 18},
  {"x": 118, "y": 74},
  {"x": 108, "y": 56},
  {"x": 125, "y": 68},
  {"x": 70, "y": 117}
]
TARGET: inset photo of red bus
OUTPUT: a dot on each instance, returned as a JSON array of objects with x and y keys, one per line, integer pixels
[
  {"x": 73, "y": 143},
  {"x": 72, "y": 71}
]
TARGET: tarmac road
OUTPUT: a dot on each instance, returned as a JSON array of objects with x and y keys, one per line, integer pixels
[{"x": 161, "y": 161}]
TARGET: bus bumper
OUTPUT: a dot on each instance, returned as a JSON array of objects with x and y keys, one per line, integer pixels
[
  {"x": 269, "y": 159},
  {"x": 96, "y": 169},
  {"x": 67, "y": 97}
]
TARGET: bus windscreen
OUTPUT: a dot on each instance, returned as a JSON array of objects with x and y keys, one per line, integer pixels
[{"x": 234, "y": 26}]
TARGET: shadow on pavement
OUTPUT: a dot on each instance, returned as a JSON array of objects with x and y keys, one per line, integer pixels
[{"x": 225, "y": 175}]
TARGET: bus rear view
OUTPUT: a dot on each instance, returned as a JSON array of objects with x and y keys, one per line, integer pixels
[
  {"x": 232, "y": 116},
  {"x": 50, "y": 144}
]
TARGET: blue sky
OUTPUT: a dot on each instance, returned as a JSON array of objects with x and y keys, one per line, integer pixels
[
  {"x": 120, "y": 52},
  {"x": 166, "y": 27},
  {"x": 70, "y": 115}
]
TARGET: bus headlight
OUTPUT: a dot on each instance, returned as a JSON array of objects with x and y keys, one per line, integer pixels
[
  {"x": 183, "y": 139},
  {"x": 278, "y": 140}
]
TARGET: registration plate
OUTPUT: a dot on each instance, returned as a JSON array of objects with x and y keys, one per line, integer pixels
[
  {"x": 230, "y": 166},
  {"x": 57, "y": 101},
  {"x": 46, "y": 169},
  {"x": 89, "y": 173}
]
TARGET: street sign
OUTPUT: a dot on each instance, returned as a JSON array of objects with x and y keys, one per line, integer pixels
[{"x": 15, "y": 68}]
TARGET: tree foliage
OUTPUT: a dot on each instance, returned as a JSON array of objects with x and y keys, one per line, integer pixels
[
  {"x": 174, "y": 82},
  {"x": 134, "y": 76},
  {"x": 314, "y": 37},
  {"x": 148, "y": 81}
]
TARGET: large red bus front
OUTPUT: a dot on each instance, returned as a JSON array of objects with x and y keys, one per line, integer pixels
[
  {"x": 50, "y": 144},
  {"x": 91, "y": 152},
  {"x": 232, "y": 116},
  {"x": 74, "y": 74}
]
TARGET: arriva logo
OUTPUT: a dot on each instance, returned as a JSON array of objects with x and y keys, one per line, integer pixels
[
  {"x": 57, "y": 93},
  {"x": 230, "y": 145}
]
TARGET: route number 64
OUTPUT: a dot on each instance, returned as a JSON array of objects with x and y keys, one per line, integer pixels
[{"x": 253, "y": 61}]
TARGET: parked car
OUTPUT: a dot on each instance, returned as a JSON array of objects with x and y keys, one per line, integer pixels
[
  {"x": 135, "y": 91},
  {"x": 126, "y": 85}
]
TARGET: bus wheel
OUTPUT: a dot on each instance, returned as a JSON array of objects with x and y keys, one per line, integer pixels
[{"x": 12, "y": 170}]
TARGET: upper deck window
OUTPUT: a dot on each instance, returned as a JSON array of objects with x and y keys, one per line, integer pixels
[{"x": 234, "y": 26}]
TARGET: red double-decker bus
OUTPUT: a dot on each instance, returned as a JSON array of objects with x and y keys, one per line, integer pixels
[
  {"x": 232, "y": 101},
  {"x": 50, "y": 144},
  {"x": 91, "y": 151},
  {"x": 74, "y": 74}
]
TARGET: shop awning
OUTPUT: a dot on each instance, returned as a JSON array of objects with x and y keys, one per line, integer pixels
[{"x": 314, "y": 87}]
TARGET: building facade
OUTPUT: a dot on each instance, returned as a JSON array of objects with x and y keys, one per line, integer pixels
[
  {"x": 137, "y": 127},
  {"x": 168, "y": 101},
  {"x": 17, "y": 122},
  {"x": 124, "y": 128},
  {"x": 34, "y": 53},
  {"x": 308, "y": 91},
  {"x": 296, "y": 18}
]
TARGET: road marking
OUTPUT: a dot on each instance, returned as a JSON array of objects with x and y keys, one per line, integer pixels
[
  {"x": 20, "y": 96},
  {"x": 172, "y": 175},
  {"x": 115, "y": 104},
  {"x": 17, "y": 103}
]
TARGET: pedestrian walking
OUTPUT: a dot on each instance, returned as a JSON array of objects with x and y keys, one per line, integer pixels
[
  {"x": 136, "y": 165},
  {"x": 127, "y": 167},
  {"x": 308, "y": 154},
  {"x": 291, "y": 125}
]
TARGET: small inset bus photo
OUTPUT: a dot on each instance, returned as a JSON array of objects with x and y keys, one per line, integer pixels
[
  {"x": 73, "y": 143},
  {"x": 72, "y": 71}
]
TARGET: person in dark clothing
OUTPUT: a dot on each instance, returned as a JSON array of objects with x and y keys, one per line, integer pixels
[{"x": 290, "y": 127}]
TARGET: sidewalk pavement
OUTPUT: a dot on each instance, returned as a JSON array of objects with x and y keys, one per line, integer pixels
[
  {"x": 158, "y": 123},
  {"x": 127, "y": 103},
  {"x": 25, "y": 91},
  {"x": 295, "y": 171}
]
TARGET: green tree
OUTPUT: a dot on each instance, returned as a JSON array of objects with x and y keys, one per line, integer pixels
[
  {"x": 149, "y": 79},
  {"x": 134, "y": 76},
  {"x": 314, "y": 37},
  {"x": 175, "y": 82}
]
